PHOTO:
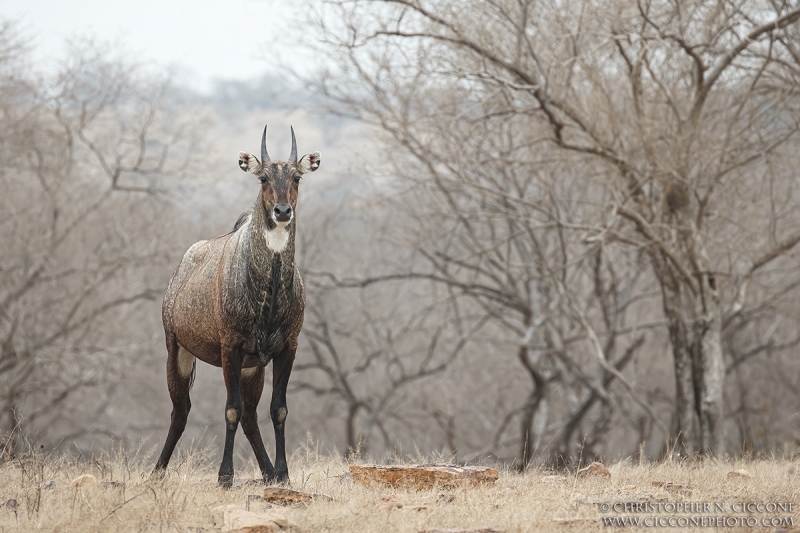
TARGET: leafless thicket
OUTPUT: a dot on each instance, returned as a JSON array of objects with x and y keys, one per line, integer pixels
[
  {"x": 576, "y": 233},
  {"x": 85, "y": 154},
  {"x": 599, "y": 178}
]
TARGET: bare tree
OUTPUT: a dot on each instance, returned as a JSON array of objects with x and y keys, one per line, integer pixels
[
  {"x": 86, "y": 157},
  {"x": 659, "y": 133},
  {"x": 515, "y": 252},
  {"x": 372, "y": 358}
]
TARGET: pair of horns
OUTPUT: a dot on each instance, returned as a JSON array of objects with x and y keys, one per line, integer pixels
[{"x": 265, "y": 156}]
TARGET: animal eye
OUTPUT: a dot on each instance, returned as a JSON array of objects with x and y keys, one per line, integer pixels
[
  {"x": 263, "y": 179},
  {"x": 297, "y": 179}
]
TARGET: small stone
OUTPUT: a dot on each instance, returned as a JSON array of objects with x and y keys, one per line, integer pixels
[
  {"x": 84, "y": 481},
  {"x": 595, "y": 469},
  {"x": 12, "y": 504},
  {"x": 741, "y": 473}
]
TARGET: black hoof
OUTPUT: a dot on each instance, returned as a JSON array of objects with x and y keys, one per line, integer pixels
[
  {"x": 278, "y": 480},
  {"x": 225, "y": 480}
]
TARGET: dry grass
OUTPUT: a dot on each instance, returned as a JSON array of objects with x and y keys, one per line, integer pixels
[{"x": 186, "y": 499}]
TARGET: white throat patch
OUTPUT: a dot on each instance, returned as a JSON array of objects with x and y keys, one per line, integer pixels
[{"x": 278, "y": 238}]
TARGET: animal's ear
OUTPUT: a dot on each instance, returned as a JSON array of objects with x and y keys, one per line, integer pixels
[
  {"x": 250, "y": 163},
  {"x": 309, "y": 163}
]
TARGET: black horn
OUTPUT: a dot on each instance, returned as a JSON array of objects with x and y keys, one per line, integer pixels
[
  {"x": 264, "y": 155},
  {"x": 293, "y": 155}
]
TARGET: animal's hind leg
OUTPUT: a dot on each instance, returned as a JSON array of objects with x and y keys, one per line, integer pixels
[
  {"x": 252, "y": 386},
  {"x": 232, "y": 372},
  {"x": 180, "y": 376}
]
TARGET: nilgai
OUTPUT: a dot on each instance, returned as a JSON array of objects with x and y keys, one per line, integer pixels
[{"x": 237, "y": 302}]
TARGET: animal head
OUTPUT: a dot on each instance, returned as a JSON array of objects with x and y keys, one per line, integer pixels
[{"x": 279, "y": 180}]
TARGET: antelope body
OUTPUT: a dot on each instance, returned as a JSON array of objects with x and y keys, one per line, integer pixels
[{"x": 237, "y": 302}]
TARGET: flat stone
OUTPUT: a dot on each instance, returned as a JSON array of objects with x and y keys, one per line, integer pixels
[
  {"x": 283, "y": 496},
  {"x": 422, "y": 476}
]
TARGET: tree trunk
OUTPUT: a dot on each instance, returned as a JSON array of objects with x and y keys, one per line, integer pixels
[
  {"x": 712, "y": 406},
  {"x": 684, "y": 436},
  {"x": 694, "y": 323},
  {"x": 355, "y": 442},
  {"x": 534, "y": 424},
  {"x": 534, "y": 413}
]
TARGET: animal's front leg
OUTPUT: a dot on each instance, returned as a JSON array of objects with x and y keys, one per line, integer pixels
[
  {"x": 252, "y": 385},
  {"x": 231, "y": 370},
  {"x": 281, "y": 370}
]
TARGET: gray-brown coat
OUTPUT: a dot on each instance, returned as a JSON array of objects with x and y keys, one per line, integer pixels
[{"x": 237, "y": 302}]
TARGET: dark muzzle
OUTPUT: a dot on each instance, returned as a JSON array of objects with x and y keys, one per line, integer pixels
[{"x": 283, "y": 213}]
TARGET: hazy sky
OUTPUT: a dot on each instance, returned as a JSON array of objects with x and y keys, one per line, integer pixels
[{"x": 206, "y": 38}]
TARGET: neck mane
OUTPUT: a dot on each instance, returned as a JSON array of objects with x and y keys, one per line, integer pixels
[
  {"x": 268, "y": 239},
  {"x": 268, "y": 275}
]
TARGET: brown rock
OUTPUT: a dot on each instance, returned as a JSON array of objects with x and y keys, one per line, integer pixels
[
  {"x": 238, "y": 521},
  {"x": 283, "y": 496},
  {"x": 422, "y": 476},
  {"x": 84, "y": 481},
  {"x": 595, "y": 469},
  {"x": 741, "y": 473}
]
